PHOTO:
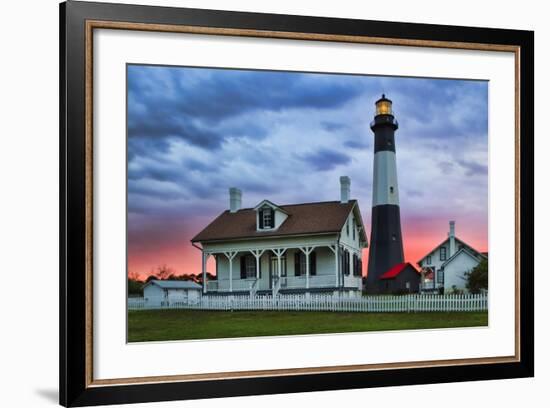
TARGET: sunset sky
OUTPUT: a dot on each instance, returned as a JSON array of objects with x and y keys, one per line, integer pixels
[{"x": 288, "y": 137}]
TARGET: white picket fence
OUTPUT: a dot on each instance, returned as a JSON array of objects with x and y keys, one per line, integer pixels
[{"x": 317, "y": 302}]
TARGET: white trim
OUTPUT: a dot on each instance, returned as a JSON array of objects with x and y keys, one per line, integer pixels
[
  {"x": 230, "y": 256},
  {"x": 469, "y": 247},
  {"x": 268, "y": 247},
  {"x": 467, "y": 252},
  {"x": 307, "y": 251},
  {"x": 269, "y": 204}
]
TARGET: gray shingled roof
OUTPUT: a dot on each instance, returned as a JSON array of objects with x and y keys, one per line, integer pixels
[{"x": 175, "y": 284}]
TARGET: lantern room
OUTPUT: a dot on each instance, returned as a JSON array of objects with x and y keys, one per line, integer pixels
[{"x": 383, "y": 106}]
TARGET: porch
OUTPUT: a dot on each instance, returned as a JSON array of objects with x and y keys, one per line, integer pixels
[
  {"x": 284, "y": 268},
  {"x": 287, "y": 282}
]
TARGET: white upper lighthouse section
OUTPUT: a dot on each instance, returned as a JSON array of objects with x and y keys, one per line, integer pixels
[{"x": 384, "y": 189}]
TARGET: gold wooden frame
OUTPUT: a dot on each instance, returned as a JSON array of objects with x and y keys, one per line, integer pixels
[{"x": 98, "y": 24}]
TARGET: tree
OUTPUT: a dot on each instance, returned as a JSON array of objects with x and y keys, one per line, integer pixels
[
  {"x": 209, "y": 276},
  {"x": 133, "y": 275},
  {"x": 478, "y": 278},
  {"x": 162, "y": 272},
  {"x": 135, "y": 287}
]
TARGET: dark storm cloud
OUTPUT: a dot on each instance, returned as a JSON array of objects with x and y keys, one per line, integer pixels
[
  {"x": 146, "y": 146},
  {"x": 445, "y": 167},
  {"x": 333, "y": 126},
  {"x": 358, "y": 143},
  {"x": 157, "y": 125},
  {"x": 472, "y": 168},
  {"x": 194, "y": 104},
  {"x": 326, "y": 159}
]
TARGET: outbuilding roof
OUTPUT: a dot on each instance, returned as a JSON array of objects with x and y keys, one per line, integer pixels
[
  {"x": 473, "y": 250},
  {"x": 395, "y": 270},
  {"x": 174, "y": 284},
  {"x": 475, "y": 255},
  {"x": 303, "y": 219}
]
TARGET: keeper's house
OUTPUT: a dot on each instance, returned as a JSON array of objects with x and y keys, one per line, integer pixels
[{"x": 298, "y": 248}]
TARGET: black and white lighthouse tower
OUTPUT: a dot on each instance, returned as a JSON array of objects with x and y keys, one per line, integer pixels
[{"x": 386, "y": 246}]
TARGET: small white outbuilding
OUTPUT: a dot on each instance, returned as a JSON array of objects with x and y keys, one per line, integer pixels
[
  {"x": 166, "y": 292},
  {"x": 445, "y": 265}
]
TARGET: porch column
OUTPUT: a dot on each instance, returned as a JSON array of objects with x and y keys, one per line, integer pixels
[
  {"x": 307, "y": 251},
  {"x": 258, "y": 255},
  {"x": 230, "y": 255},
  {"x": 334, "y": 249},
  {"x": 307, "y": 271},
  {"x": 204, "y": 290},
  {"x": 279, "y": 253},
  {"x": 350, "y": 262}
]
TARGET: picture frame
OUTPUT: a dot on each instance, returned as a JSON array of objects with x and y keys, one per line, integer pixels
[{"x": 78, "y": 20}]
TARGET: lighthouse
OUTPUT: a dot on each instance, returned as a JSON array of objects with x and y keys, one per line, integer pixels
[{"x": 386, "y": 248}]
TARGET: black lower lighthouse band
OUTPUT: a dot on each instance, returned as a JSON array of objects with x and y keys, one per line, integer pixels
[{"x": 386, "y": 246}]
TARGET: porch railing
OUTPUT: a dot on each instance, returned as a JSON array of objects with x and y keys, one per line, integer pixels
[{"x": 353, "y": 282}]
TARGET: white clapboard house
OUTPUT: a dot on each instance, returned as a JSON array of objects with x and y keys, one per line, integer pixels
[
  {"x": 443, "y": 268},
  {"x": 166, "y": 292},
  {"x": 298, "y": 248}
]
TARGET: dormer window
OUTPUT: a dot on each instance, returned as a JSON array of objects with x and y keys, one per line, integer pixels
[
  {"x": 266, "y": 218},
  {"x": 269, "y": 216}
]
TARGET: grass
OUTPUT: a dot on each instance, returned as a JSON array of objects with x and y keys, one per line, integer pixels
[{"x": 163, "y": 325}]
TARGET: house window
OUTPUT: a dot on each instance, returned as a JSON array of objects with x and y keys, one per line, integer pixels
[
  {"x": 345, "y": 262},
  {"x": 353, "y": 230},
  {"x": 391, "y": 190},
  {"x": 275, "y": 266},
  {"x": 300, "y": 267},
  {"x": 357, "y": 265},
  {"x": 440, "y": 276},
  {"x": 442, "y": 254},
  {"x": 267, "y": 218},
  {"x": 347, "y": 228},
  {"x": 248, "y": 267},
  {"x": 303, "y": 266},
  {"x": 429, "y": 260}
]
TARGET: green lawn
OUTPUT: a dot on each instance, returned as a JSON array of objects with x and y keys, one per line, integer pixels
[{"x": 161, "y": 325}]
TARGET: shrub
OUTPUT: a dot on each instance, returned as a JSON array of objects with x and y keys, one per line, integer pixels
[{"x": 478, "y": 278}]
